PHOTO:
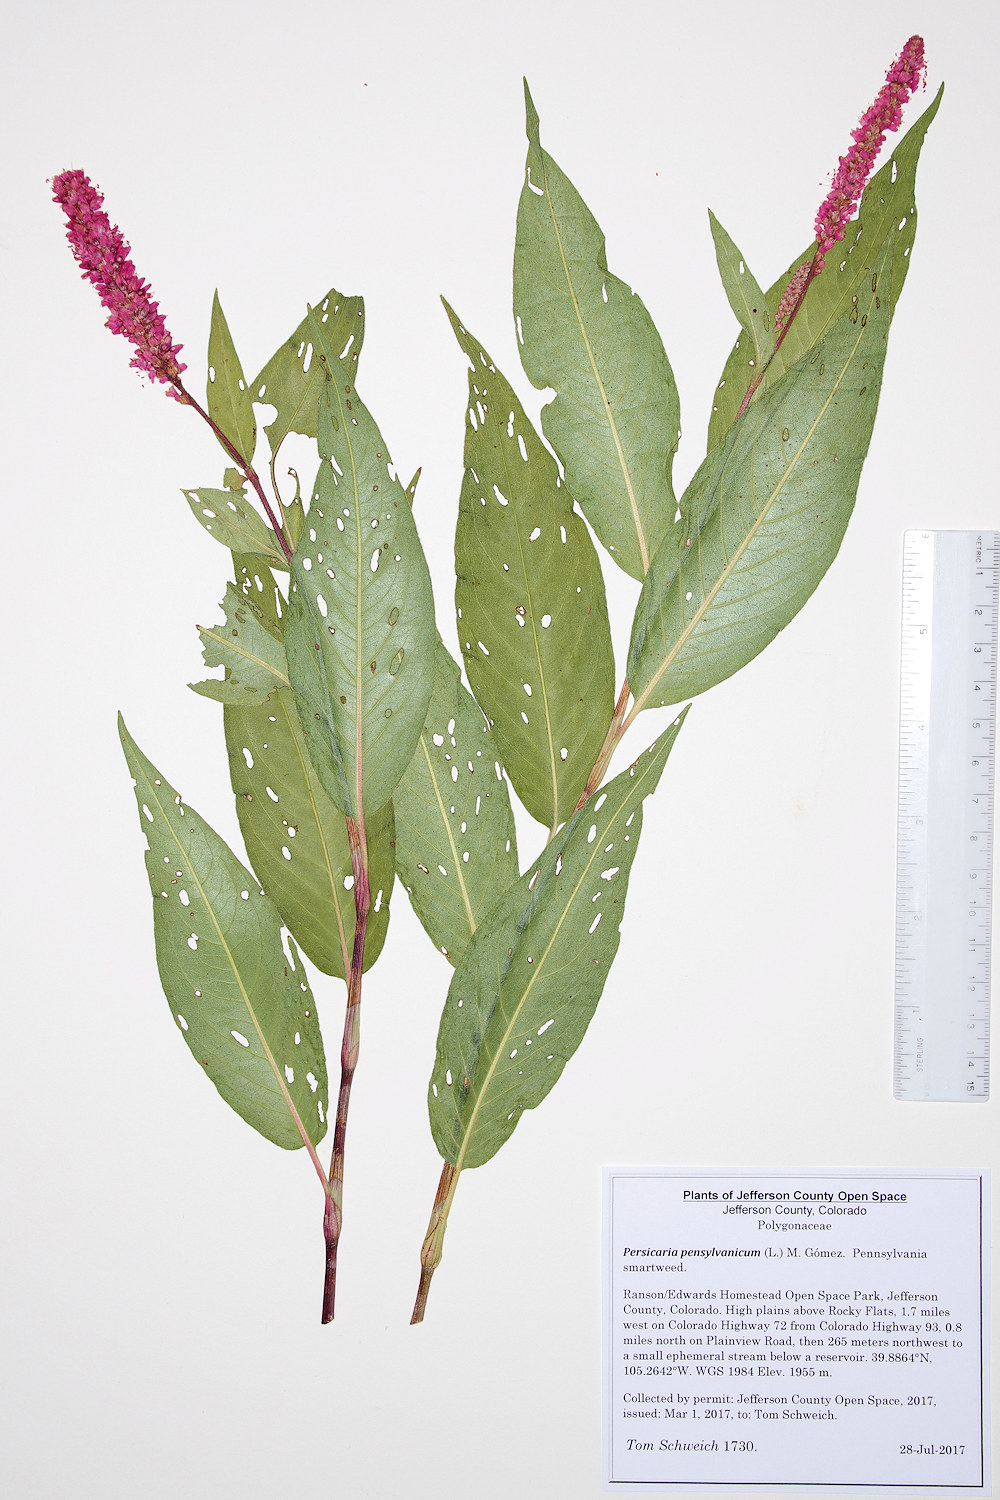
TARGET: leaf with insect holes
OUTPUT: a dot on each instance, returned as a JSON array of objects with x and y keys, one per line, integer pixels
[
  {"x": 615, "y": 418},
  {"x": 242, "y": 1003},
  {"x": 772, "y": 503},
  {"x": 887, "y": 216},
  {"x": 229, "y": 402},
  {"x": 745, "y": 297},
  {"x": 456, "y": 849},
  {"x": 296, "y": 840},
  {"x": 360, "y": 631},
  {"x": 528, "y": 985},
  {"x": 532, "y": 613},
  {"x": 293, "y": 378},
  {"x": 253, "y": 655},
  {"x": 227, "y": 515}
]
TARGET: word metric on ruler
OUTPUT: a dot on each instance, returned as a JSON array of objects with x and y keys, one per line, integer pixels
[{"x": 947, "y": 732}]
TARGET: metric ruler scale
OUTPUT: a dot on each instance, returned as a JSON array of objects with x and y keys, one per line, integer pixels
[{"x": 944, "y": 857}]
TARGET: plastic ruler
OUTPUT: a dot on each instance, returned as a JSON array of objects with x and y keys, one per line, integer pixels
[{"x": 944, "y": 864}]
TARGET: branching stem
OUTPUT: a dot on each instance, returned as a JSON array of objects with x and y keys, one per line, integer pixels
[
  {"x": 621, "y": 722},
  {"x": 614, "y": 734},
  {"x": 244, "y": 465}
]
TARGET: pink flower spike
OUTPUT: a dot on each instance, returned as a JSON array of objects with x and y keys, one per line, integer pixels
[
  {"x": 855, "y": 168},
  {"x": 105, "y": 259}
]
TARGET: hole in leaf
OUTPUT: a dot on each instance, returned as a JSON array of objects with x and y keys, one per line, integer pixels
[{"x": 239, "y": 1037}]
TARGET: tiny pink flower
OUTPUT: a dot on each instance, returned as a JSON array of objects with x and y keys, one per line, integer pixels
[
  {"x": 790, "y": 296},
  {"x": 105, "y": 259},
  {"x": 855, "y": 168}
]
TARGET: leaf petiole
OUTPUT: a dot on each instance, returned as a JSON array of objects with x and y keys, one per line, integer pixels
[{"x": 430, "y": 1254}]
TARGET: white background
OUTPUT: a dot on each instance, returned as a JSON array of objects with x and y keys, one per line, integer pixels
[{"x": 163, "y": 1264}]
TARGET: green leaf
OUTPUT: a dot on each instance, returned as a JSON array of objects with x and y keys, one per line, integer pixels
[
  {"x": 292, "y": 379},
  {"x": 456, "y": 849},
  {"x": 256, "y": 583},
  {"x": 887, "y": 216},
  {"x": 242, "y": 1003},
  {"x": 296, "y": 840},
  {"x": 360, "y": 632},
  {"x": 525, "y": 992},
  {"x": 253, "y": 656},
  {"x": 775, "y": 499},
  {"x": 228, "y": 517},
  {"x": 229, "y": 402},
  {"x": 745, "y": 297},
  {"x": 615, "y": 418},
  {"x": 533, "y": 619}
]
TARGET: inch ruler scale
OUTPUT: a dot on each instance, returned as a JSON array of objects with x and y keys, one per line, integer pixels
[{"x": 944, "y": 851}]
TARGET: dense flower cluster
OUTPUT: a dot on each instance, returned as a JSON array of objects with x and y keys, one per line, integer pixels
[
  {"x": 790, "y": 296},
  {"x": 105, "y": 259},
  {"x": 853, "y": 172}
]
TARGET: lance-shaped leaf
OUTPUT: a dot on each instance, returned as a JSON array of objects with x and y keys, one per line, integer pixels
[
  {"x": 253, "y": 655},
  {"x": 887, "y": 216},
  {"x": 360, "y": 632},
  {"x": 775, "y": 499},
  {"x": 745, "y": 297},
  {"x": 231, "y": 519},
  {"x": 524, "y": 994},
  {"x": 229, "y": 401},
  {"x": 532, "y": 614},
  {"x": 295, "y": 838},
  {"x": 293, "y": 378},
  {"x": 241, "y": 1002},
  {"x": 615, "y": 418},
  {"x": 456, "y": 849}
]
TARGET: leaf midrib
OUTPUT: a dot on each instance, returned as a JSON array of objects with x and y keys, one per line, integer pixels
[
  {"x": 307, "y": 781},
  {"x": 345, "y": 418},
  {"x": 447, "y": 829},
  {"x": 726, "y": 573},
  {"x": 509, "y": 489},
  {"x": 619, "y": 450},
  {"x": 500, "y": 1050},
  {"x": 209, "y": 632},
  {"x": 279, "y": 1075}
]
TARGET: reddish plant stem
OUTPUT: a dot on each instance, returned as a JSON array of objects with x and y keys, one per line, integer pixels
[
  {"x": 430, "y": 1255},
  {"x": 245, "y": 467},
  {"x": 334, "y": 1208},
  {"x": 611, "y": 739}
]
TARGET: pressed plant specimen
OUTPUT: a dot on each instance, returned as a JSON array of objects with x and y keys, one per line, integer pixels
[{"x": 356, "y": 751}]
